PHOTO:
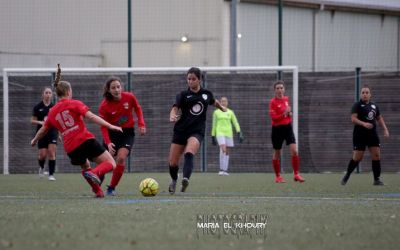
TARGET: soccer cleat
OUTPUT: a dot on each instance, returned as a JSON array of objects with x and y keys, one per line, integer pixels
[
  {"x": 41, "y": 172},
  {"x": 110, "y": 191},
  {"x": 99, "y": 194},
  {"x": 51, "y": 178},
  {"x": 225, "y": 173},
  {"x": 279, "y": 179},
  {"x": 345, "y": 179},
  {"x": 185, "y": 184},
  {"x": 299, "y": 178},
  {"x": 378, "y": 183},
  {"x": 92, "y": 177},
  {"x": 172, "y": 187},
  {"x": 221, "y": 172}
]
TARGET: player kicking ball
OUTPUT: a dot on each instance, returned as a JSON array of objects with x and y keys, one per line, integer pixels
[{"x": 189, "y": 129}]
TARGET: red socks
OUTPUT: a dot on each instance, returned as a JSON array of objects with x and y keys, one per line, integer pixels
[
  {"x": 95, "y": 187},
  {"x": 296, "y": 164},
  {"x": 117, "y": 174},
  {"x": 102, "y": 169},
  {"x": 277, "y": 167}
]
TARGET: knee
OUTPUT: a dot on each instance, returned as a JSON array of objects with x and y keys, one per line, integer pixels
[
  {"x": 276, "y": 154},
  {"x": 376, "y": 157},
  {"x": 121, "y": 161}
]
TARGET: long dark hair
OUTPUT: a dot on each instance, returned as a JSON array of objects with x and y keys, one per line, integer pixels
[
  {"x": 106, "y": 89},
  {"x": 195, "y": 71}
]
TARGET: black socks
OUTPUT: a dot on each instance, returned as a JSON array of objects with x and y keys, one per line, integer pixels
[
  {"x": 352, "y": 165},
  {"x": 376, "y": 169},
  {"x": 173, "y": 172},
  {"x": 52, "y": 166},
  {"x": 188, "y": 165}
]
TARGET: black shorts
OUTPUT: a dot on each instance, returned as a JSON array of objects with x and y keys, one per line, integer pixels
[
  {"x": 50, "y": 138},
  {"x": 122, "y": 140},
  {"x": 363, "y": 139},
  {"x": 282, "y": 133},
  {"x": 181, "y": 138},
  {"x": 88, "y": 150}
]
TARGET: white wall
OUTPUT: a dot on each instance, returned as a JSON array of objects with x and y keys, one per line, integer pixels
[
  {"x": 39, "y": 33},
  {"x": 349, "y": 40},
  {"x": 91, "y": 33},
  {"x": 342, "y": 41}
]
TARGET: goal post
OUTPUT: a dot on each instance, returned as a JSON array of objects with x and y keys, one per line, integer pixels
[{"x": 8, "y": 72}]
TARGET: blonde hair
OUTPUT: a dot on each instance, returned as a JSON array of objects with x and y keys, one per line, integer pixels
[{"x": 62, "y": 88}]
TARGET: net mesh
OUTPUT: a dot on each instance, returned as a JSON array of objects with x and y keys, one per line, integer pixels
[{"x": 325, "y": 130}]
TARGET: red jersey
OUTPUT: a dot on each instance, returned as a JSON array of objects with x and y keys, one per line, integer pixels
[
  {"x": 277, "y": 109},
  {"x": 67, "y": 117},
  {"x": 119, "y": 113}
]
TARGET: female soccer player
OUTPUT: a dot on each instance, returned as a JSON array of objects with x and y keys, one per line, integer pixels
[
  {"x": 80, "y": 145},
  {"x": 364, "y": 115},
  {"x": 190, "y": 127},
  {"x": 48, "y": 144},
  {"x": 116, "y": 108},
  {"x": 223, "y": 133},
  {"x": 281, "y": 116}
]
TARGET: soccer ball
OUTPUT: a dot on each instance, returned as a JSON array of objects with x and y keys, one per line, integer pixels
[{"x": 148, "y": 187}]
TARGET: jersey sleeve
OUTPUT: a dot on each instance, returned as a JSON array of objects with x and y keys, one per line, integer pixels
[
  {"x": 47, "y": 122},
  {"x": 378, "y": 112},
  {"x": 354, "y": 109},
  {"x": 273, "y": 112},
  {"x": 212, "y": 99},
  {"x": 214, "y": 124},
  {"x": 178, "y": 100},
  {"x": 34, "y": 111},
  {"x": 103, "y": 129},
  {"x": 235, "y": 122},
  {"x": 81, "y": 108},
  {"x": 138, "y": 111}
]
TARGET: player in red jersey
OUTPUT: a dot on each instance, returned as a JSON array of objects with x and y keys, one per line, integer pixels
[
  {"x": 281, "y": 116},
  {"x": 116, "y": 108},
  {"x": 80, "y": 145}
]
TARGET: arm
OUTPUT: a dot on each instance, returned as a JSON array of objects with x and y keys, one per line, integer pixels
[
  {"x": 214, "y": 124},
  {"x": 173, "y": 115},
  {"x": 103, "y": 129},
  {"x": 139, "y": 115},
  {"x": 214, "y": 129},
  {"x": 235, "y": 122},
  {"x": 237, "y": 127},
  {"x": 35, "y": 121},
  {"x": 383, "y": 124},
  {"x": 218, "y": 105},
  {"x": 39, "y": 135},
  {"x": 358, "y": 122},
  {"x": 274, "y": 114},
  {"x": 100, "y": 121}
]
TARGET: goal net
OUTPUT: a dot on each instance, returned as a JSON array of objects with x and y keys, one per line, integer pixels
[{"x": 248, "y": 89}]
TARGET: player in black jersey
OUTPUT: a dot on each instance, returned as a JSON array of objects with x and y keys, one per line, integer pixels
[
  {"x": 365, "y": 115},
  {"x": 47, "y": 145},
  {"x": 189, "y": 127}
]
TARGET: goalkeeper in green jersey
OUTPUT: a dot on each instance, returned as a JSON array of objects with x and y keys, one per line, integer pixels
[{"x": 222, "y": 132}]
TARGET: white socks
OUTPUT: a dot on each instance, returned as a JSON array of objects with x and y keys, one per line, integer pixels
[{"x": 223, "y": 161}]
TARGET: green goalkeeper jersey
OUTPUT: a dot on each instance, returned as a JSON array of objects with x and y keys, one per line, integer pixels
[{"x": 222, "y": 123}]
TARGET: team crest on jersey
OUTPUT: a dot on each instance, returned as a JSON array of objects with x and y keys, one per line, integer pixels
[
  {"x": 126, "y": 105},
  {"x": 205, "y": 97},
  {"x": 197, "y": 109},
  {"x": 371, "y": 115}
]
